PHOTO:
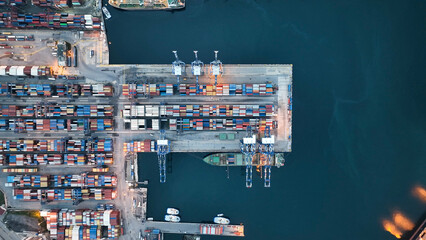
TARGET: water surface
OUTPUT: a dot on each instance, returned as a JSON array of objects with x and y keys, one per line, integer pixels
[{"x": 359, "y": 127}]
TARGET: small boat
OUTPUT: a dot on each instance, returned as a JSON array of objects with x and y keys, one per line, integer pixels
[
  {"x": 106, "y": 12},
  {"x": 172, "y": 218},
  {"x": 221, "y": 220},
  {"x": 172, "y": 211}
]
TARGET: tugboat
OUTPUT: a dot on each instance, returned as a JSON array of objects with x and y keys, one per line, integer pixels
[
  {"x": 172, "y": 211},
  {"x": 172, "y": 218},
  {"x": 106, "y": 12},
  {"x": 220, "y": 219}
]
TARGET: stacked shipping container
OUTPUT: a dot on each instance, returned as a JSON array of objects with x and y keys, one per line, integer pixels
[
  {"x": 34, "y": 71},
  {"x": 142, "y": 90},
  {"x": 139, "y": 146},
  {"x": 25, "y": 125},
  {"x": 49, "y": 20},
  {"x": 70, "y": 194},
  {"x": 58, "y": 90},
  {"x": 63, "y": 223}
]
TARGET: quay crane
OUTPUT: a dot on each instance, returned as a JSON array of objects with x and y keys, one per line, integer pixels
[
  {"x": 178, "y": 67},
  {"x": 248, "y": 148},
  {"x": 163, "y": 148},
  {"x": 267, "y": 149},
  {"x": 197, "y": 69},
  {"x": 216, "y": 68}
]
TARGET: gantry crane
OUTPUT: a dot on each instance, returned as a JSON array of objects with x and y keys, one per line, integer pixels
[
  {"x": 216, "y": 68},
  {"x": 178, "y": 67},
  {"x": 248, "y": 148},
  {"x": 197, "y": 69},
  {"x": 267, "y": 149},
  {"x": 163, "y": 148}
]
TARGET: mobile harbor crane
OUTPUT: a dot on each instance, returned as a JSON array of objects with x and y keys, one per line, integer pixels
[
  {"x": 178, "y": 67},
  {"x": 216, "y": 68},
  {"x": 163, "y": 148},
  {"x": 266, "y": 147},
  {"x": 197, "y": 69},
  {"x": 248, "y": 148}
]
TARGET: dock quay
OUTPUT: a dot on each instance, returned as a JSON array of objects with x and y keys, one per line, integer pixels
[{"x": 197, "y": 228}]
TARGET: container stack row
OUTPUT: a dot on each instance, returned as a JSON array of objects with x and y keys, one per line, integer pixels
[
  {"x": 5, "y": 46},
  {"x": 19, "y": 170},
  {"x": 70, "y": 194},
  {"x": 49, "y": 20},
  {"x": 56, "y": 159},
  {"x": 135, "y": 111},
  {"x": 227, "y": 90},
  {"x": 200, "y": 124},
  {"x": 226, "y": 124},
  {"x": 34, "y": 71},
  {"x": 83, "y": 180},
  {"x": 139, "y": 146},
  {"x": 56, "y": 110},
  {"x": 25, "y": 181},
  {"x": 62, "y": 223},
  {"x": 27, "y": 125},
  {"x": 16, "y": 2},
  {"x": 58, "y": 90},
  {"x": 57, "y": 145},
  {"x": 100, "y": 145},
  {"x": 101, "y": 124},
  {"x": 142, "y": 90},
  {"x": 211, "y": 229},
  {"x": 139, "y": 90},
  {"x": 13, "y": 38}
]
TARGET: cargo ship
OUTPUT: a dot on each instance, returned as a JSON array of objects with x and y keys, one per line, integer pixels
[
  {"x": 237, "y": 159},
  {"x": 148, "y": 4}
]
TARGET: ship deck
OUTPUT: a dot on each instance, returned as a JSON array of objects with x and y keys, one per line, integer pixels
[{"x": 194, "y": 228}]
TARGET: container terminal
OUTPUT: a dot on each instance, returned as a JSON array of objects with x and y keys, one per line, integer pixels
[{"x": 72, "y": 125}]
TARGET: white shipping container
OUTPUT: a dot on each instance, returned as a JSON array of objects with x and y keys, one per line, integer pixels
[
  {"x": 13, "y": 70},
  {"x": 3, "y": 70}
]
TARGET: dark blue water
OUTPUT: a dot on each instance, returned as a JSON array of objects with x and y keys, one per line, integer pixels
[{"x": 359, "y": 127}]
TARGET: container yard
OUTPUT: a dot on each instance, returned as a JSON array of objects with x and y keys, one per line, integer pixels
[{"x": 65, "y": 131}]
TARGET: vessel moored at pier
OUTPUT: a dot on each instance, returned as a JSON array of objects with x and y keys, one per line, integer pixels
[
  {"x": 172, "y": 218},
  {"x": 172, "y": 211},
  {"x": 147, "y": 4}
]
